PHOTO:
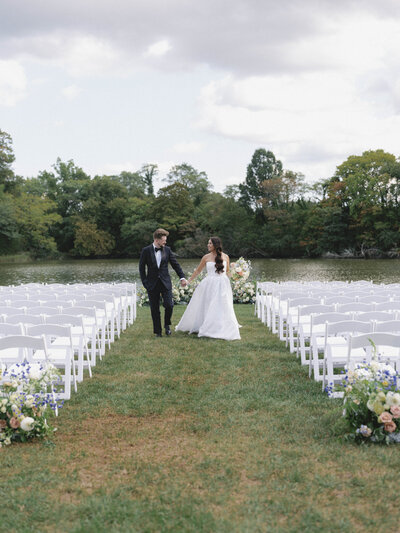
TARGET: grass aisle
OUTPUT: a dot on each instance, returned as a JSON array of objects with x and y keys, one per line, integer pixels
[{"x": 186, "y": 434}]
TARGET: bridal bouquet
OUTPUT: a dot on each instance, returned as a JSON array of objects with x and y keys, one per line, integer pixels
[
  {"x": 240, "y": 270},
  {"x": 372, "y": 402},
  {"x": 24, "y": 401}
]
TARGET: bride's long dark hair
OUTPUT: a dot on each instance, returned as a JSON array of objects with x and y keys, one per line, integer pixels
[{"x": 219, "y": 264}]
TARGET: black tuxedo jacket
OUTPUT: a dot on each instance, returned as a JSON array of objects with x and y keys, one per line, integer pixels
[{"x": 150, "y": 273}]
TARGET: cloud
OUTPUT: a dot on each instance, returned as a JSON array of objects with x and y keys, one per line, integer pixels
[
  {"x": 241, "y": 37},
  {"x": 158, "y": 49},
  {"x": 188, "y": 147},
  {"x": 13, "y": 83},
  {"x": 71, "y": 92}
]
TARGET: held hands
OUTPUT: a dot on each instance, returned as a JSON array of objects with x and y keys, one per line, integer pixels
[{"x": 184, "y": 282}]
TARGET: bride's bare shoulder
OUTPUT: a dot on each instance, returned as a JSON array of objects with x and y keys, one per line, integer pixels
[
  {"x": 225, "y": 256},
  {"x": 207, "y": 257}
]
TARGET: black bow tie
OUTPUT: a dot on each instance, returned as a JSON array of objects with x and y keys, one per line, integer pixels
[{"x": 158, "y": 249}]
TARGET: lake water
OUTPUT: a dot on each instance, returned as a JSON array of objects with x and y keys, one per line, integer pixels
[{"x": 92, "y": 271}]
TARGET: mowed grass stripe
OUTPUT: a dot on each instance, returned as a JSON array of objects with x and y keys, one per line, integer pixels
[{"x": 188, "y": 434}]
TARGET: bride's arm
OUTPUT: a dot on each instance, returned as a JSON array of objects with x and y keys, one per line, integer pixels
[{"x": 202, "y": 264}]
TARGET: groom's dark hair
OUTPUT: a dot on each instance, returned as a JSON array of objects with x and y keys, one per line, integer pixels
[{"x": 160, "y": 233}]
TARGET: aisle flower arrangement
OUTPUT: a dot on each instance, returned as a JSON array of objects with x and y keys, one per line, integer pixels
[
  {"x": 244, "y": 292},
  {"x": 25, "y": 402},
  {"x": 372, "y": 403}
]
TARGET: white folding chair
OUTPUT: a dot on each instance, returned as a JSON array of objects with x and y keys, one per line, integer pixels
[
  {"x": 300, "y": 329},
  {"x": 336, "y": 348},
  {"x": 387, "y": 346},
  {"x": 25, "y": 347},
  {"x": 317, "y": 339},
  {"x": 94, "y": 329},
  {"x": 79, "y": 339},
  {"x": 59, "y": 352}
]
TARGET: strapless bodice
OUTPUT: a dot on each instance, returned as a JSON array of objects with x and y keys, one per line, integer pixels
[{"x": 211, "y": 269}]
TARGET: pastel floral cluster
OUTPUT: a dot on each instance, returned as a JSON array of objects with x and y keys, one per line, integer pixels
[
  {"x": 25, "y": 402},
  {"x": 244, "y": 293},
  {"x": 372, "y": 402},
  {"x": 240, "y": 270}
]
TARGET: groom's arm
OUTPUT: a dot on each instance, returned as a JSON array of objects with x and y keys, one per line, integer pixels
[{"x": 176, "y": 266}]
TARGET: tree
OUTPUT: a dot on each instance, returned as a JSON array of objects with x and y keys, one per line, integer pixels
[
  {"x": 106, "y": 206},
  {"x": 263, "y": 166},
  {"x": 9, "y": 235},
  {"x": 7, "y": 158},
  {"x": 148, "y": 172},
  {"x": 90, "y": 241},
  {"x": 133, "y": 182},
  {"x": 367, "y": 189},
  {"x": 36, "y": 218},
  {"x": 196, "y": 183},
  {"x": 174, "y": 208}
]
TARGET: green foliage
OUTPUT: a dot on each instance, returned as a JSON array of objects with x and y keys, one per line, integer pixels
[
  {"x": 174, "y": 208},
  {"x": 35, "y": 218},
  {"x": 9, "y": 235},
  {"x": 7, "y": 158},
  {"x": 196, "y": 183},
  {"x": 263, "y": 166},
  {"x": 272, "y": 213},
  {"x": 90, "y": 241}
]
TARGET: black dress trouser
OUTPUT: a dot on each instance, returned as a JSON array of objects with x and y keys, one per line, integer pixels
[{"x": 168, "y": 303}]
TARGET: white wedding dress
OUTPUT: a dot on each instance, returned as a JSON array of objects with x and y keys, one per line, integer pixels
[{"x": 210, "y": 311}]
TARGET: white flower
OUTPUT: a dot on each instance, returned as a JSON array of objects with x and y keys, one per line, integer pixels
[
  {"x": 35, "y": 371},
  {"x": 27, "y": 423},
  {"x": 392, "y": 398},
  {"x": 14, "y": 397},
  {"x": 29, "y": 401},
  {"x": 7, "y": 441}
]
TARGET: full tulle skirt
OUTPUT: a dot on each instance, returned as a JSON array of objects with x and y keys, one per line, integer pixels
[{"x": 210, "y": 311}]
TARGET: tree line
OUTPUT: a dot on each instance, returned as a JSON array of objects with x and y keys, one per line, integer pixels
[{"x": 272, "y": 213}]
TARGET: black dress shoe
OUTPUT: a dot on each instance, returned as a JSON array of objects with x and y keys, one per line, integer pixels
[
  {"x": 158, "y": 334},
  {"x": 168, "y": 330}
]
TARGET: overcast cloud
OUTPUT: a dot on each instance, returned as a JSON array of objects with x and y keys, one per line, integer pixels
[{"x": 113, "y": 83}]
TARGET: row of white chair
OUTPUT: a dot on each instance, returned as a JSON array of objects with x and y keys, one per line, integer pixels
[
  {"x": 71, "y": 337},
  {"x": 323, "y": 334},
  {"x": 120, "y": 295}
]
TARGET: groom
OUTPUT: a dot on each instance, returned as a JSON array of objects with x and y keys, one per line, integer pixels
[{"x": 153, "y": 268}]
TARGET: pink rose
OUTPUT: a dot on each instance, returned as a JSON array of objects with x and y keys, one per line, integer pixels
[
  {"x": 14, "y": 423},
  {"x": 385, "y": 418},
  {"x": 390, "y": 427},
  {"x": 395, "y": 410},
  {"x": 3, "y": 423}
]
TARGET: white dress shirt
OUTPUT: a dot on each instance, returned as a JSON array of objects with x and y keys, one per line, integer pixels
[{"x": 158, "y": 256}]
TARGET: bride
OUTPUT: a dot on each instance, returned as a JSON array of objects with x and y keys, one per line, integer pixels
[{"x": 210, "y": 311}]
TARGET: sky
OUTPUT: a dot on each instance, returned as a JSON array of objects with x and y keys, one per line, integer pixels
[{"x": 116, "y": 84}]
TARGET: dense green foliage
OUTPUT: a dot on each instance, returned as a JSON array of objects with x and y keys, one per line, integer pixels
[{"x": 272, "y": 213}]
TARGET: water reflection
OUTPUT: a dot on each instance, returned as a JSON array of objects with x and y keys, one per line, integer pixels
[{"x": 379, "y": 270}]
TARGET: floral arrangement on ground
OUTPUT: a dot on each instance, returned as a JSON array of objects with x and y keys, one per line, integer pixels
[
  {"x": 25, "y": 402},
  {"x": 244, "y": 292},
  {"x": 372, "y": 403}
]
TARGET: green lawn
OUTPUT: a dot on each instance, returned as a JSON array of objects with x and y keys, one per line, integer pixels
[{"x": 184, "y": 434}]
